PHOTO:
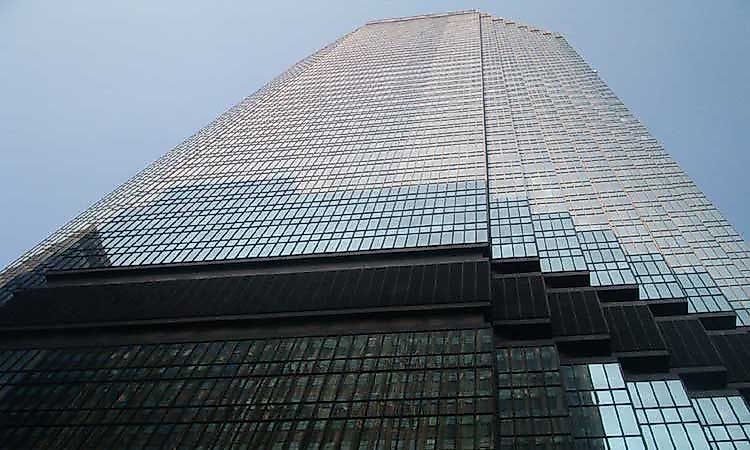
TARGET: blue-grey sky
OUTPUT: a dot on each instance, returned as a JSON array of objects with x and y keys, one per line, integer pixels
[{"x": 92, "y": 91}]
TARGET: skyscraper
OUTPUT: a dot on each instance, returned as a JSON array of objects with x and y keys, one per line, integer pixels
[{"x": 437, "y": 232}]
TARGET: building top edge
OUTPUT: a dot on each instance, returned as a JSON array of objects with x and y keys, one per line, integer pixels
[
  {"x": 525, "y": 26},
  {"x": 509, "y": 22},
  {"x": 422, "y": 16}
]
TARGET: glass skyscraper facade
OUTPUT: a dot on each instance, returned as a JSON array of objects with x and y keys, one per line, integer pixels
[{"x": 437, "y": 232}]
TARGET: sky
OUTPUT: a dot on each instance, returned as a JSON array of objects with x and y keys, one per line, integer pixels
[{"x": 91, "y": 92}]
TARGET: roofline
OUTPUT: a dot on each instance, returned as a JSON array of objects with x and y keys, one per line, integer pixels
[
  {"x": 527, "y": 27},
  {"x": 423, "y": 16},
  {"x": 505, "y": 21}
]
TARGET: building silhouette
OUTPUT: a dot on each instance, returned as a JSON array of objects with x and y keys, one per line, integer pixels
[{"x": 437, "y": 232}]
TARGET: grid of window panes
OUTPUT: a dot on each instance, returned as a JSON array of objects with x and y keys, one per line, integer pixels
[
  {"x": 515, "y": 142},
  {"x": 570, "y": 145},
  {"x": 656, "y": 280},
  {"x": 666, "y": 416},
  {"x": 702, "y": 292},
  {"x": 387, "y": 390},
  {"x": 556, "y": 239},
  {"x": 376, "y": 142},
  {"x": 511, "y": 232},
  {"x": 608, "y": 413},
  {"x": 504, "y": 165},
  {"x": 605, "y": 259},
  {"x": 293, "y": 223},
  {"x": 531, "y": 404},
  {"x": 511, "y": 229},
  {"x": 601, "y": 413},
  {"x": 726, "y": 421}
]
